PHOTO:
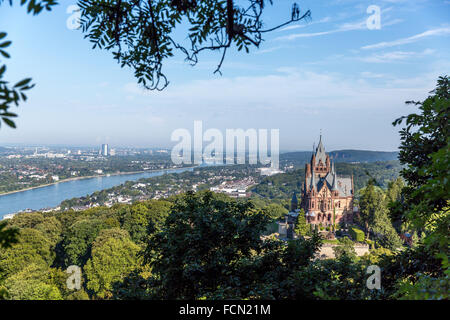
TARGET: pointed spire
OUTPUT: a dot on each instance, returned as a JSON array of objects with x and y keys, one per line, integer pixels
[
  {"x": 334, "y": 187},
  {"x": 320, "y": 153},
  {"x": 313, "y": 179},
  {"x": 294, "y": 197}
]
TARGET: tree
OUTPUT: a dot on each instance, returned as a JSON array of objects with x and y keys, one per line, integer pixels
[
  {"x": 275, "y": 211},
  {"x": 204, "y": 244},
  {"x": 7, "y": 238},
  {"x": 144, "y": 217},
  {"x": 345, "y": 248},
  {"x": 374, "y": 216},
  {"x": 36, "y": 220},
  {"x": 141, "y": 33},
  {"x": 114, "y": 256},
  {"x": 78, "y": 240},
  {"x": 302, "y": 228},
  {"x": 369, "y": 204},
  {"x": 394, "y": 190},
  {"x": 394, "y": 199},
  {"x": 425, "y": 152},
  {"x": 34, "y": 282},
  {"x": 385, "y": 233},
  {"x": 32, "y": 247}
]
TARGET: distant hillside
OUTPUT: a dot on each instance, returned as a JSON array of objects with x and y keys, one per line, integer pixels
[
  {"x": 4, "y": 150},
  {"x": 299, "y": 158},
  {"x": 281, "y": 186}
]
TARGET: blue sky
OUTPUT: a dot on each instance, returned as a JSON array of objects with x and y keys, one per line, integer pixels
[{"x": 331, "y": 73}]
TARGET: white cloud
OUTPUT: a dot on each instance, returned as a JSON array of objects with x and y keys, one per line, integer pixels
[
  {"x": 371, "y": 75},
  {"x": 351, "y": 26},
  {"x": 417, "y": 37},
  {"x": 342, "y": 28},
  {"x": 287, "y": 90},
  {"x": 295, "y": 101},
  {"x": 395, "y": 56}
]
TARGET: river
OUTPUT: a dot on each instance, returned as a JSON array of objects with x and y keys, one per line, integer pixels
[{"x": 51, "y": 196}]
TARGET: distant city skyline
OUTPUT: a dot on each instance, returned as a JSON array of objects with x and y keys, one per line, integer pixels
[{"x": 332, "y": 73}]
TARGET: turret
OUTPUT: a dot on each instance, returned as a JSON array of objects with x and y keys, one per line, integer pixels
[
  {"x": 307, "y": 170},
  {"x": 334, "y": 187},
  {"x": 294, "y": 202},
  {"x": 313, "y": 180}
]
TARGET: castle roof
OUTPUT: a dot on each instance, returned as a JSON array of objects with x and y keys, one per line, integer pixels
[
  {"x": 320, "y": 153},
  {"x": 334, "y": 182}
]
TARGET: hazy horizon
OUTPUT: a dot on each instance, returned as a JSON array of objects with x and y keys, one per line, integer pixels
[
  {"x": 24, "y": 145},
  {"x": 331, "y": 74}
]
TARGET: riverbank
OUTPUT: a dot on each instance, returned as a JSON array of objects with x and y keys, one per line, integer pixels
[{"x": 89, "y": 177}]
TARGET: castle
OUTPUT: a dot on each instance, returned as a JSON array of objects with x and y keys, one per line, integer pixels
[{"x": 326, "y": 198}]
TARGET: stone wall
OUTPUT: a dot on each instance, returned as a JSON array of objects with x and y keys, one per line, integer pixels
[{"x": 326, "y": 252}]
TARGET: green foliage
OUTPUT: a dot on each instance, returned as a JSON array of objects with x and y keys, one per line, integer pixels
[
  {"x": 340, "y": 279},
  {"x": 426, "y": 287},
  {"x": 8, "y": 236},
  {"x": 393, "y": 199},
  {"x": 49, "y": 226},
  {"x": 409, "y": 266},
  {"x": 78, "y": 240},
  {"x": 34, "y": 282},
  {"x": 203, "y": 241},
  {"x": 374, "y": 216},
  {"x": 114, "y": 256},
  {"x": 345, "y": 248},
  {"x": 356, "y": 233},
  {"x": 142, "y": 218},
  {"x": 32, "y": 247},
  {"x": 141, "y": 33},
  {"x": 425, "y": 150},
  {"x": 302, "y": 228},
  {"x": 35, "y": 6},
  {"x": 275, "y": 211},
  {"x": 375, "y": 256}
]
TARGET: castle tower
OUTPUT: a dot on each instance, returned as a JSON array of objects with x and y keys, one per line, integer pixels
[{"x": 327, "y": 197}]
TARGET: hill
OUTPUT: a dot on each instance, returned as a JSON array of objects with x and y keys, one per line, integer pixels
[{"x": 299, "y": 158}]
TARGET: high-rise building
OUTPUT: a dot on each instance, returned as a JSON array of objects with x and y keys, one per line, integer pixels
[{"x": 105, "y": 150}]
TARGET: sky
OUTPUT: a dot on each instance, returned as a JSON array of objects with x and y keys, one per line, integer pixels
[{"x": 331, "y": 74}]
